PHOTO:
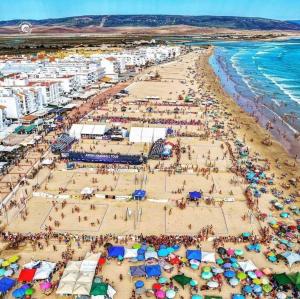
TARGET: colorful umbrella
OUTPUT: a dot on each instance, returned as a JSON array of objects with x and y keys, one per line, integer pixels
[
  {"x": 45, "y": 285},
  {"x": 156, "y": 286},
  {"x": 212, "y": 284},
  {"x": 238, "y": 296},
  {"x": 5, "y": 264},
  {"x": 13, "y": 259},
  {"x": 265, "y": 280},
  {"x": 170, "y": 293},
  {"x": 206, "y": 275},
  {"x": 18, "y": 293},
  {"x": 160, "y": 294},
  {"x": 139, "y": 284},
  {"x": 234, "y": 281},
  {"x": 227, "y": 265},
  {"x": 267, "y": 288},
  {"x": 8, "y": 273},
  {"x": 257, "y": 289},
  {"x": 193, "y": 283},
  {"x": 196, "y": 296},
  {"x": 241, "y": 275},
  {"x": 281, "y": 295},
  {"x": 247, "y": 289},
  {"x": 217, "y": 270},
  {"x": 256, "y": 281},
  {"x": 136, "y": 246},
  {"x": 29, "y": 292},
  {"x": 163, "y": 280},
  {"x": 252, "y": 275},
  {"x": 239, "y": 252},
  {"x": 229, "y": 274},
  {"x": 220, "y": 261},
  {"x": 258, "y": 273},
  {"x": 206, "y": 269},
  {"x": 230, "y": 251},
  {"x": 2, "y": 271}
]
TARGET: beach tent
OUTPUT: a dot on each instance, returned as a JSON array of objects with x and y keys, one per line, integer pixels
[
  {"x": 99, "y": 289},
  {"x": 44, "y": 270},
  {"x": 282, "y": 279},
  {"x": 73, "y": 266},
  {"x": 208, "y": 257},
  {"x": 182, "y": 279},
  {"x": 212, "y": 297},
  {"x": 137, "y": 271},
  {"x": 194, "y": 195},
  {"x": 139, "y": 194},
  {"x": 87, "y": 191},
  {"x": 151, "y": 255},
  {"x": 82, "y": 288},
  {"x": 116, "y": 251},
  {"x": 295, "y": 279},
  {"x": 6, "y": 284},
  {"x": 65, "y": 288},
  {"x": 88, "y": 266},
  {"x": 247, "y": 266},
  {"x": 90, "y": 256},
  {"x": 69, "y": 276},
  {"x": 193, "y": 255},
  {"x": 85, "y": 277},
  {"x": 153, "y": 270},
  {"x": 26, "y": 275},
  {"x": 130, "y": 253},
  {"x": 291, "y": 257}
]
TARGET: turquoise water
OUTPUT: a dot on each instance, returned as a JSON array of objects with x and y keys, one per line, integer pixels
[{"x": 264, "y": 79}]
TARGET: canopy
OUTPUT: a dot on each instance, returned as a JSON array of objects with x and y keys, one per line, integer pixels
[
  {"x": 208, "y": 257},
  {"x": 137, "y": 271},
  {"x": 130, "y": 253},
  {"x": 151, "y": 255},
  {"x": 139, "y": 194},
  {"x": 116, "y": 251},
  {"x": 65, "y": 288},
  {"x": 193, "y": 255},
  {"x": 146, "y": 135},
  {"x": 6, "y": 284},
  {"x": 44, "y": 271},
  {"x": 291, "y": 257},
  {"x": 73, "y": 266},
  {"x": 153, "y": 270},
  {"x": 82, "y": 288},
  {"x": 295, "y": 279},
  {"x": 247, "y": 266},
  {"x": 26, "y": 275},
  {"x": 88, "y": 266},
  {"x": 194, "y": 195},
  {"x": 282, "y": 279},
  {"x": 182, "y": 279},
  {"x": 99, "y": 289}
]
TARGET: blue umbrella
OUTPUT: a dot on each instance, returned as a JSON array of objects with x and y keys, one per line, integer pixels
[
  {"x": 247, "y": 289},
  {"x": 233, "y": 260},
  {"x": 229, "y": 274},
  {"x": 139, "y": 284},
  {"x": 227, "y": 265},
  {"x": 25, "y": 286},
  {"x": 257, "y": 289},
  {"x": 163, "y": 252},
  {"x": 238, "y": 296},
  {"x": 19, "y": 293}
]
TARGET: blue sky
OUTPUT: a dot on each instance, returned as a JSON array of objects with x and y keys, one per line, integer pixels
[{"x": 41, "y": 9}]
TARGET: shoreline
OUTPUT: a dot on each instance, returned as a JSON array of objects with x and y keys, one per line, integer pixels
[{"x": 281, "y": 131}]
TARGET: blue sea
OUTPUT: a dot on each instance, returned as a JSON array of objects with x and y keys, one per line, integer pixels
[{"x": 264, "y": 79}]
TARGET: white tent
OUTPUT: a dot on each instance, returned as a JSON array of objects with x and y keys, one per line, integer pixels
[
  {"x": 130, "y": 253},
  {"x": 87, "y": 129},
  {"x": 88, "y": 266},
  {"x": 85, "y": 277},
  {"x": 65, "y": 288},
  {"x": 99, "y": 130},
  {"x": 87, "y": 191},
  {"x": 150, "y": 255},
  {"x": 73, "y": 266},
  {"x": 146, "y": 135},
  {"x": 69, "y": 276},
  {"x": 208, "y": 257},
  {"x": 90, "y": 256},
  {"x": 291, "y": 257},
  {"x": 75, "y": 131},
  {"x": 82, "y": 289},
  {"x": 47, "y": 161},
  {"x": 247, "y": 266}
]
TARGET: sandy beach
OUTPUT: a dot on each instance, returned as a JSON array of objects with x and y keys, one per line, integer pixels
[{"x": 52, "y": 201}]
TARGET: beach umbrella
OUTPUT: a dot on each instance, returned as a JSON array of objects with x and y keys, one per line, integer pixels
[
  {"x": 14, "y": 266},
  {"x": 182, "y": 279},
  {"x": 170, "y": 293},
  {"x": 258, "y": 273},
  {"x": 281, "y": 295},
  {"x": 272, "y": 258},
  {"x": 233, "y": 260},
  {"x": 206, "y": 275},
  {"x": 241, "y": 275},
  {"x": 221, "y": 250},
  {"x": 25, "y": 286},
  {"x": 18, "y": 293},
  {"x": 257, "y": 289},
  {"x": 194, "y": 266},
  {"x": 256, "y": 281},
  {"x": 139, "y": 284},
  {"x": 267, "y": 288},
  {"x": 193, "y": 283},
  {"x": 13, "y": 259},
  {"x": 252, "y": 275},
  {"x": 163, "y": 280},
  {"x": 45, "y": 285},
  {"x": 220, "y": 261},
  {"x": 29, "y": 291},
  {"x": 156, "y": 286},
  {"x": 239, "y": 252},
  {"x": 160, "y": 294},
  {"x": 229, "y": 274},
  {"x": 230, "y": 251},
  {"x": 196, "y": 296},
  {"x": 163, "y": 252},
  {"x": 217, "y": 270},
  {"x": 238, "y": 296},
  {"x": 2, "y": 271},
  {"x": 233, "y": 281},
  {"x": 247, "y": 289},
  {"x": 246, "y": 234},
  {"x": 8, "y": 273},
  {"x": 265, "y": 280},
  {"x": 227, "y": 265},
  {"x": 206, "y": 269},
  {"x": 101, "y": 261},
  {"x": 235, "y": 265},
  {"x": 212, "y": 284},
  {"x": 136, "y": 246},
  {"x": 5, "y": 264}
]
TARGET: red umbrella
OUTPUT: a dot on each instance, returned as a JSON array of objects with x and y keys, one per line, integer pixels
[
  {"x": 101, "y": 261},
  {"x": 156, "y": 286},
  {"x": 175, "y": 261}
]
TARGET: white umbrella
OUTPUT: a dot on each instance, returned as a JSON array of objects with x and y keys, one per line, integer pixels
[
  {"x": 281, "y": 295},
  {"x": 212, "y": 284}
]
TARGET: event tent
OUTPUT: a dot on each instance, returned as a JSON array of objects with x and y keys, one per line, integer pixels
[
  {"x": 153, "y": 270},
  {"x": 291, "y": 257},
  {"x": 182, "y": 279},
  {"x": 151, "y": 255},
  {"x": 77, "y": 130},
  {"x": 193, "y": 255},
  {"x": 44, "y": 270},
  {"x": 146, "y": 135},
  {"x": 247, "y": 266},
  {"x": 65, "y": 288},
  {"x": 6, "y": 284},
  {"x": 26, "y": 275},
  {"x": 130, "y": 253}
]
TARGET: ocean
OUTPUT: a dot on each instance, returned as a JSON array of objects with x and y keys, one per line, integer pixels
[{"x": 264, "y": 79}]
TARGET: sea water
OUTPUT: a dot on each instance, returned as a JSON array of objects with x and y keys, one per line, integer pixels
[{"x": 264, "y": 78}]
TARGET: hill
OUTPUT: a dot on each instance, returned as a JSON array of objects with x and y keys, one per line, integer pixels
[{"x": 83, "y": 22}]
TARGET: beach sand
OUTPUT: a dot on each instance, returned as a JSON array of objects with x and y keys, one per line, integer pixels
[{"x": 159, "y": 212}]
